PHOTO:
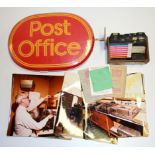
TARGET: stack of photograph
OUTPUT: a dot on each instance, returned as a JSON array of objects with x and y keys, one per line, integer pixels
[{"x": 102, "y": 104}]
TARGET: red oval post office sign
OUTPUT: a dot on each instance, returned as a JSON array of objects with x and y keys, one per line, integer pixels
[{"x": 55, "y": 41}]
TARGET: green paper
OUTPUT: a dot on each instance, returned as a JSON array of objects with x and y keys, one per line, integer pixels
[{"x": 101, "y": 79}]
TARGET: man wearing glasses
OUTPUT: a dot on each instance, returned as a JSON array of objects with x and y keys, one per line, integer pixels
[{"x": 24, "y": 123}]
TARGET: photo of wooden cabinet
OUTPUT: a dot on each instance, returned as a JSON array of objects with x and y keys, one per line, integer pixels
[{"x": 102, "y": 120}]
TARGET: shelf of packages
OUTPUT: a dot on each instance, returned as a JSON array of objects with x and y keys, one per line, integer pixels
[{"x": 106, "y": 121}]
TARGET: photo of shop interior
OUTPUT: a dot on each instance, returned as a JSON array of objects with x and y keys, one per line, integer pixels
[
  {"x": 118, "y": 117},
  {"x": 42, "y": 86}
]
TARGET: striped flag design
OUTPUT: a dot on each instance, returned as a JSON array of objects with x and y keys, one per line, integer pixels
[{"x": 120, "y": 50}]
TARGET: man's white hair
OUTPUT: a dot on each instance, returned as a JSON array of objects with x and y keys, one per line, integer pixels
[{"x": 19, "y": 99}]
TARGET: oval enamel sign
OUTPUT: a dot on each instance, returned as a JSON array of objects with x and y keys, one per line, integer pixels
[{"x": 55, "y": 41}]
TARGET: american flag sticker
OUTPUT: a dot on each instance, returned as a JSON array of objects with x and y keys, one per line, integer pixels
[{"x": 120, "y": 50}]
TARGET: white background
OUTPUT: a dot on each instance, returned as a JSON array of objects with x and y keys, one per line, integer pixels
[
  {"x": 123, "y": 20},
  {"x": 76, "y": 3}
]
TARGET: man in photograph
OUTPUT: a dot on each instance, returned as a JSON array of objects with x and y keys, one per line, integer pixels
[{"x": 24, "y": 123}]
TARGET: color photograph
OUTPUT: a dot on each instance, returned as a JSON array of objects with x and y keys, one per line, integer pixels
[{"x": 34, "y": 105}]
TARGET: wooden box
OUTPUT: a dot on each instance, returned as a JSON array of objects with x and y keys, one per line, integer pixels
[
  {"x": 105, "y": 107},
  {"x": 127, "y": 112}
]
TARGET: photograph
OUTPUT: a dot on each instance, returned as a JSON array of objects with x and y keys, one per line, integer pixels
[
  {"x": 34, "y": 105},
  {"x": 71, "y": 115},
  {"x": 118, "y": 117}
]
